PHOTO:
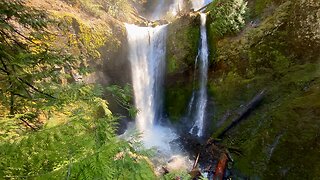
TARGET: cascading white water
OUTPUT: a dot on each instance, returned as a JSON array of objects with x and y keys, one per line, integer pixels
[
  {"x": 176, "y": 7},
  {"x": 147, "y": 49},
  {"x": 158, "y": 11},
  {"x": 201, "y": 104},
  {"x": 172, "y": 8}
]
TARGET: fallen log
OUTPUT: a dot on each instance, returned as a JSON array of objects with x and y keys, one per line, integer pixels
[
  {"x": 196, "y": 162},
  {"x": 235, "y": 150},
  {"x": 204, "y": 7},
  {"x": 243, "y": 113},
  {"x": 221, "y": 167}
]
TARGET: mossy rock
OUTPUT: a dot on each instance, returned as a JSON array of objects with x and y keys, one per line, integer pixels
[
  {"x": 176, "y": 100},
  {"x": 182, "y": 50},
  {"x": 182, "y": 43}
]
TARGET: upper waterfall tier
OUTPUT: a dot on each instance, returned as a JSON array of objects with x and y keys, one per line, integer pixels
[
  {"x": 197, "y": 4},
  {"x": 164, "y": 7}
]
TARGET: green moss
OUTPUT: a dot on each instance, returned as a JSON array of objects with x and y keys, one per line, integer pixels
[
  {"x": 289, "y": 113},
  {"x": 257, "y": 50},
  {"x": 232, "y": 91},
  {"x": 120, "y": 9},
  {"x": 176, "y": 100},
  {"x": 260, "y": 6},
  {"x": 280, "y": 139},
  {"x": 84, "y": 39},
  {"x": 182, "y": 49},
  {"x": 182, "y": 43},
  {"x": 172, "y": 65}
]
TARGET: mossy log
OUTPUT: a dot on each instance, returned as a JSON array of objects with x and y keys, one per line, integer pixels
[
  {"x": 242, "y": 113},
  {"x": 204, "y": 7}
]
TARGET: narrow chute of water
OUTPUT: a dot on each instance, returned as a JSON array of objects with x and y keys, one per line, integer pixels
[{"x": 201, "y": 99}]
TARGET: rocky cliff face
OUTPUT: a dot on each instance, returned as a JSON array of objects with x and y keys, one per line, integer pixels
[
  {"x": 182, "y": 49},
  {"x": 94, "y": 31},
  {"x": 278, "y": 50}
]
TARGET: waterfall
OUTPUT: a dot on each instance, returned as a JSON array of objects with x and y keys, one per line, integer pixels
[
  {"x": 164, "y": 8},
  {"x": 176, "y": 7},
  {"x": 159, "y": 11},
  {"x": 147, "y": 50},
  {"x": 201, "y": 101}
]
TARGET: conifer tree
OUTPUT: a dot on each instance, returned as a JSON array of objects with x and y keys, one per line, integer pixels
[{"x": 29, "y": 67}]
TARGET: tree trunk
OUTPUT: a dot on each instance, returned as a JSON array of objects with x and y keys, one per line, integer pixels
[{"x": 11, "y": 103}]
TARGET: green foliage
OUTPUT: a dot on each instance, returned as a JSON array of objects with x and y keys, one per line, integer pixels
[
  {"x": 115, "y": 7},
  {"x": 263, "y": 8},
  {"x": 99, "y": 7},
  {"x": 263, "y": 58},
  {"x": 182, "y": 48},
  {"x": 183, "y": 175},
  {"x": 260, "y": 6},
  {"x": 262, "y": 49},
  {"x": 83, "y": 39},
  {"x": 232, "y": 86},
  {"x": 89, "y": 6},
  {"x": 227, "y": 17},
  {"x": 52, "y": 127},
  {"x": 70, "y": 150},
  {"x": 27, "y": 62},
  {"x": 26, "y": 16},
  {"x": 124, "y": 98},
  {"x": 10, "y": 129},
  {"x": 84, "y": 147},
  {"x": 269, "y": 49}
]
